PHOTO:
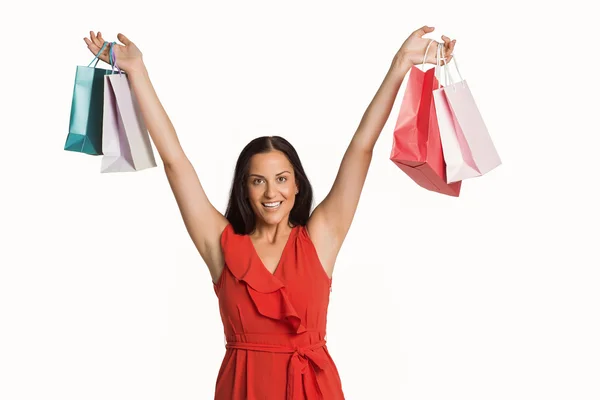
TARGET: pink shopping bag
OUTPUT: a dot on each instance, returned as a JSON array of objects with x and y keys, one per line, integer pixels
[
  {"x": 417, "y": 148},
  {"x": 468, "y": 148}
]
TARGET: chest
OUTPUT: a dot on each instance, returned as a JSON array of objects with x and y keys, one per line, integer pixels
[{"x": 270, "y": 254}]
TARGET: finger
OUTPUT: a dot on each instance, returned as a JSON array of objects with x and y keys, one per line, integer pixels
[
  {"x": 447, "y": 43},
  {"x": 443, "y": 55},
  {"x": 446, "y": 40},
  {"x": 423, "y": 30},
  {"x": 432, "y": 53},
  {"x": 97, "y": 40},
  {"x": 123, "y": 39},
  {"x": 91, "y": 45},
  {"x": 443, "y": 51},
  {"x": 95, "y": 49},
  {"x": 93, "y": 38},
  {"x": 450, "y": 47},
  {"x": 447, "y": 47},
  {"x": 449, "y": 50},
  {"x": 101, "y": 42}
]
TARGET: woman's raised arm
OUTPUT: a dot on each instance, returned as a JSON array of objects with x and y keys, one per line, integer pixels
[{"x": 203, "y": 221}]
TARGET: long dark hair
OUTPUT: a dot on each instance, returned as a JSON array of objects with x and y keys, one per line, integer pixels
[{"x": 239, "y": 212}]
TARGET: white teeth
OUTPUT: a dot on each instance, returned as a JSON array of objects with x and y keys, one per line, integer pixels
[{"x": 272, "y": 204}]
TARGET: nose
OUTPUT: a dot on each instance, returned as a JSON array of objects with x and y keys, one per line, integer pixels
[{"x": 270, "y": 191}]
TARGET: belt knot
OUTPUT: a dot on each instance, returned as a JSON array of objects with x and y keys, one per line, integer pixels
[
  {"x": 305, "y": 361},
  {"x": 299, "y": 350}
]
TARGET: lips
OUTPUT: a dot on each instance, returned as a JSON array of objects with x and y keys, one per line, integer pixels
[{"x": 272, "y": 207}]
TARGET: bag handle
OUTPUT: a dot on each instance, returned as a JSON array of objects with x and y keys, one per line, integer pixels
[
  {"x": 425, "y": 56},
  {"x": 448, "y": 77},
  {"x": 440, "y": 55},
  {"x": 113, "y": 59},
  {"x": 98, "y": 55},
  {"x": 438, "y": 64}
]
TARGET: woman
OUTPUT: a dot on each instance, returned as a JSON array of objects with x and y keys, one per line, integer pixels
[{"x": 271, "y": 261}]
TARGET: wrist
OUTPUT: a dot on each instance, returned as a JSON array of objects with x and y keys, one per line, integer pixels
[
  {"x": 137, "y": 68},
  {"x": 400, "y": 66}
]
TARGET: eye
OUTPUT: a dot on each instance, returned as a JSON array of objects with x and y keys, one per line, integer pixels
[
  {"x": 255, "y": 180},
  {"x": 284, "y": 178}
]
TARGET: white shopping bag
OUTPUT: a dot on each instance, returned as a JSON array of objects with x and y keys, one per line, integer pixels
[
  {"x": 467, "y": 146},
  {"x": 125, "y": 141}
]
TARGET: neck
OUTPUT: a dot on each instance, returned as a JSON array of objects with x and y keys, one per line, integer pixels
[{"x": 271, "y": 232}]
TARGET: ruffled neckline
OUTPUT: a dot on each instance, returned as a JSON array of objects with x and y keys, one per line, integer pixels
[
  {"x": 266, "y": 290},
  {"x": 291, "y": 238}
]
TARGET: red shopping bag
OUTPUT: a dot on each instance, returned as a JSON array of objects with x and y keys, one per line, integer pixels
[{"x": 417, "y": 147}]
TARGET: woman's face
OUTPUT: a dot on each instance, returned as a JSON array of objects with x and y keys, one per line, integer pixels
[{"x": 271, "y": 186}]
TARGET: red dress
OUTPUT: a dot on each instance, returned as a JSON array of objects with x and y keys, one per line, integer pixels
[{"x": 274, "y": 323}]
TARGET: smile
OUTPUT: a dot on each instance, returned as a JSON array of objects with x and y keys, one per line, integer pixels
[{"x": 272, "y": 206}]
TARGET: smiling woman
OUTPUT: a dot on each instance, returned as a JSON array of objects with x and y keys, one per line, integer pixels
[
  {"x": 270, "y": 259},
  {"x": 269, "y": 170},
  {"x": 268, "y": 167}
]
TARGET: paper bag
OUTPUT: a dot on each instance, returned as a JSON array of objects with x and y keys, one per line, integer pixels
[
  {"x": 85, "y": 124},
  {"x": 125, "y": 141},
  {"x": 417, "y": 148},
  {"x": 468, "y": 148}
]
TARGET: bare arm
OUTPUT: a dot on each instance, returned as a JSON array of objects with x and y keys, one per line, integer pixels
[
  {"x": 202, "y": 220},
  {"x": 156, "y": 119},
  {"x": 331, "y": 220}
]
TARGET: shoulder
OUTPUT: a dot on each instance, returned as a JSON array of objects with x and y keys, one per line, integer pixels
[
  {"x": 227, "y": 234},
  {"x": 232, "y": 242},
  {"x": 235, "y": 250}
]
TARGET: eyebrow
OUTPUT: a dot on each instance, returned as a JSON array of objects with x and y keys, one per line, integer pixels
[{"x": 260, "y": 176}]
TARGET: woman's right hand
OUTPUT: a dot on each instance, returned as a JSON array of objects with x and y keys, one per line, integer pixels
[{"x": 128, "y": 56}]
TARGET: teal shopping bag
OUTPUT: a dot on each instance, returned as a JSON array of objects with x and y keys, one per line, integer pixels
[{"x": 85, "y": 125}]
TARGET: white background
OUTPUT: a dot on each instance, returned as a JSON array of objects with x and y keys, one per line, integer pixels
[{"x": 492, "y": 295}]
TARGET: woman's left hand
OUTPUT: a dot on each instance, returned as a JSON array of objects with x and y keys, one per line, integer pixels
[{"x": 413, "y": 49}]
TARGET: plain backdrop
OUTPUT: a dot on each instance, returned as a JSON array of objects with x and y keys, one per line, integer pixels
[{"x": 492, "y": 295}]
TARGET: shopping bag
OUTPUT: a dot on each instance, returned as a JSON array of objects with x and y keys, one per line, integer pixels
[
  {"x": 85, "y": 124},
  {"x": 468, "y": 148},
  {"x": 125, "y": 141},
  {"x": 417, "y": 149}
]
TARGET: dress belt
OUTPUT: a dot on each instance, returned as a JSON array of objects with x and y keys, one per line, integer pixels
[{"x": 305, "y": 361}]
